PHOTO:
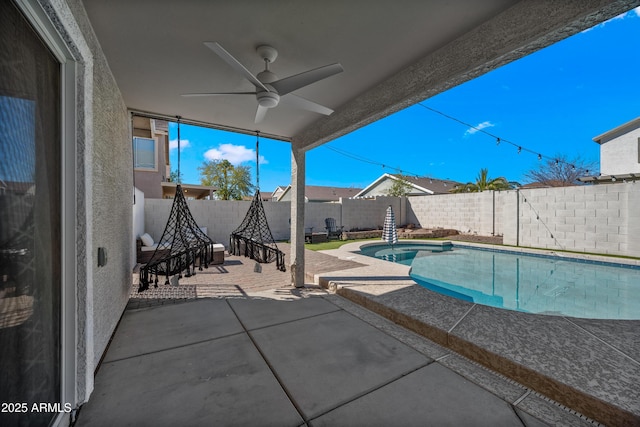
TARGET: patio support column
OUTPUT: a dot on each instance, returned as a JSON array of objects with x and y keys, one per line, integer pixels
[{"x": 297, "y": 216}]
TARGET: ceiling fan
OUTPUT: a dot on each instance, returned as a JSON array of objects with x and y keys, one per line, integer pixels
[{"x": 269, "y": 89}]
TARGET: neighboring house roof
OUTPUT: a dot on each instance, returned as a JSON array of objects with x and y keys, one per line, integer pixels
[
  {"x": 318, "y": 193},
  {"x": 610, "y": 179},
  {"x": 547, "y": 184},
  {"x": 191, "y": 191},
  {"x": 277, "y": 193},
  {"x": 420, "y": 185},
  {"x": 265, "y": 196},
  {"x": 615, "y": 132}
]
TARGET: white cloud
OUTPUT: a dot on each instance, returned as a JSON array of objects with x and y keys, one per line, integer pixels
[
  {"x": 184, "y": 143},
  {"x": 478, "y": 127},
  {"x": 235, "y": 154}
]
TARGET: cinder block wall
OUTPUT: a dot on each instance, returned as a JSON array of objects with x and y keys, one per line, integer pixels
[
  {"x": 222, "y": 217},
  {"x": 472, "y": 213},
  {"x": 315, "y": 213},
  {"x": 600, "y": 219},
  {"x": 370, "y": 213}
]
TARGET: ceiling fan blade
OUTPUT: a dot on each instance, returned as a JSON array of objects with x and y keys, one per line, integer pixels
[
  {"x": 289, "y": 84},
  {"x": 235, "y": 64},
  {"x": 305, "y": 104},
  {"x": 216, "y": 94},
  {"x": 260, "y": 113}
]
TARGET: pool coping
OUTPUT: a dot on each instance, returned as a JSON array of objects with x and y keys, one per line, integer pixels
[{"x": 591, "y": 366}]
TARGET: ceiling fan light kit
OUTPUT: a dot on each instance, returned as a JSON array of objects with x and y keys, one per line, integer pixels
[
  {"x": 270, "y": 89},
  {"x": 268, "y": 99}
]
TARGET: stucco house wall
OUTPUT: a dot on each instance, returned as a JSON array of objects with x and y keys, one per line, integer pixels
[
  {"x": 106, "y": 190},
  {"x": 620, "y": 149}
]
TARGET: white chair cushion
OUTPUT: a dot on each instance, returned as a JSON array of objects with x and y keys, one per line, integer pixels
[{"x": 147, "y": 240}]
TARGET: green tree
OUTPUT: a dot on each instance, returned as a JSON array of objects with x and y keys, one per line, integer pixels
[
  {"x": 231, "y": 182},
  {"x": 483, "y": 182},
  {"x": 175, "y": 176},
  {"x": 400, "y": 187}
]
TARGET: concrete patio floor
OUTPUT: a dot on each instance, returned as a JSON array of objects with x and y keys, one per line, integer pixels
[{"x": 230, "y": 346}]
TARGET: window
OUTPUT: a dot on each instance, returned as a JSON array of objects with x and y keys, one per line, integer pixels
[{"x": 145, "y": 154}]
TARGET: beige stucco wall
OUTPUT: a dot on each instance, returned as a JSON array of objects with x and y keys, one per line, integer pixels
[
  {"x": 620, "y": 155},
  {"x": 109, "y": 187}
]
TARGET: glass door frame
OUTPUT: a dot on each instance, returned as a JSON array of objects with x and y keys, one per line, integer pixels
[{"x": 70, "y": 268}]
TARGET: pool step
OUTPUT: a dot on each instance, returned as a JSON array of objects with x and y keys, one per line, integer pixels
[{"x": 585, "y": 378}]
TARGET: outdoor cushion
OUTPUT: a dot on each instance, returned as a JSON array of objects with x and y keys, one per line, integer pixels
[
  {"x": 154, "y": 247},
  {"x": 147, "y": 240}
]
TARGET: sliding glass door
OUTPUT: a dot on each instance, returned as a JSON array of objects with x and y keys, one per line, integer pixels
[{"x": 30, "y": 225}]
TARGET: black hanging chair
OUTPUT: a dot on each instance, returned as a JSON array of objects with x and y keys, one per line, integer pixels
[
  {"x": 253, "y": 237},
  {"x": 182, "y": 247}
]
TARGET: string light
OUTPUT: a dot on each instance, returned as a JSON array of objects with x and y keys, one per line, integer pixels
[
  {"x": 497, "y": 138},
  {"x": 366, "y": 160}
]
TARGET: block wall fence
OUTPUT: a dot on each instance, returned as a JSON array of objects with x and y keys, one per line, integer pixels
[
  {"x": 222, "y": 217},
  {"x": 599, "y": 219}
]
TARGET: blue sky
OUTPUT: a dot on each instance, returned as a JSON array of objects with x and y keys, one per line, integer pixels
[{"x": 552, "y": 102}]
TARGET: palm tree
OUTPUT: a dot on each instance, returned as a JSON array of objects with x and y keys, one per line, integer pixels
[{"x": 483, "y": 182}]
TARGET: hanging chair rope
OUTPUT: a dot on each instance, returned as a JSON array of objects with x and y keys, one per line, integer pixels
[
  {"x": 253, "y": 238},
  {"x": 183, "y": 245}
]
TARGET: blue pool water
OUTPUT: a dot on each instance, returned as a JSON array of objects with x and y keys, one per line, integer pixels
[{"x": 529, "y": 283}]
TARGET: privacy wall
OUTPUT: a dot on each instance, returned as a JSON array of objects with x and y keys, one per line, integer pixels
[
  {"x": 600, "y": 219},
  {"x": 472, "y": 213},
  {"x": 221, "y": 217}
]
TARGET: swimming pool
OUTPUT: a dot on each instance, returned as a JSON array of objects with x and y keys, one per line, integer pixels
[{"x": 541, "y": 284}]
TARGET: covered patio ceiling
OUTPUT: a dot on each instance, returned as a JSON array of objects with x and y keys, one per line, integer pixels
[{"x": 394, "y": 53}]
